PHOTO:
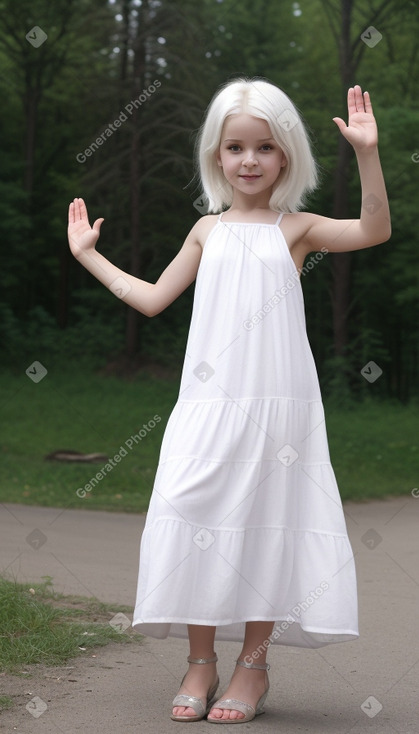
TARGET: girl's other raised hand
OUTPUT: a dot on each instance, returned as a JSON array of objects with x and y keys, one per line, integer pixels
[
  {"x": 361, "y": 130},
  {"x": 81, "y": 236}
]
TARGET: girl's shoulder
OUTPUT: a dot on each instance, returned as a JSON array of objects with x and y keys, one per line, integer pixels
[
  {"x": 203, "y": 227},
  {"x": 295, "y": 226}
]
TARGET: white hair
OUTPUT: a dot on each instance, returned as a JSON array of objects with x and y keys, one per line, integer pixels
[{"x": 261, "y": 99}]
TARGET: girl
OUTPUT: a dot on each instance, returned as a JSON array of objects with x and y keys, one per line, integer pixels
[{"x": 245, "y": 536}]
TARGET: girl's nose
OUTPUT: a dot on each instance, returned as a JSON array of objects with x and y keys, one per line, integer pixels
[{"x": 250, "y": 159}]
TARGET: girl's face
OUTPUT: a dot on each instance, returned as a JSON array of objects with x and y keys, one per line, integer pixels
[{"x": 250, "y": 157}]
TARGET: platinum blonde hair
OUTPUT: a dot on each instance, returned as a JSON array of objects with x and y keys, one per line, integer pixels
[{"x": 261, "y": 99}]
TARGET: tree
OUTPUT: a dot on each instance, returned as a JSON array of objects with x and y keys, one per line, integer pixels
[{"x": 346, "y": 19}]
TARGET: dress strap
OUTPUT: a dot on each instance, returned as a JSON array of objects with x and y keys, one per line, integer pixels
[
  {"x": 279, "y": 218},
  {"x": 219, "y": 217}
]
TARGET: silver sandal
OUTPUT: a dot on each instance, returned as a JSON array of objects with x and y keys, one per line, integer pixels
[
  {"x": 244, "y": 708},
  {"x": 197, "y": 704}
]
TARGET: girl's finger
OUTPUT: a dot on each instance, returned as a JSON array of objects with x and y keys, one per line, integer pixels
[
  {"x": 351, "y": 101},
  {"x": 359, "y": 100},
  {"x": 97, "y": 225},
  {"x": 340, "y": 123},
  {"x": 76, "y": 210},
  {"x": 367, "y": 102},
  {"x": 83, "y": 210}
]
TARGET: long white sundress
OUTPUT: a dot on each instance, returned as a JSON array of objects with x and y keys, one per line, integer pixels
[{"x": 245, "y": 521}]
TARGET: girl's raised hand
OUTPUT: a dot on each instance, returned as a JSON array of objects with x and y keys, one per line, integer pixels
[
  {"x": 81, "y": 236},
  {"x": 361, "y": 130}
]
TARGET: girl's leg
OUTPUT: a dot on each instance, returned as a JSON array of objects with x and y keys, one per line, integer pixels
[
  {"x": 248, "y": 685},
  {"x": 199, "y": 678}
]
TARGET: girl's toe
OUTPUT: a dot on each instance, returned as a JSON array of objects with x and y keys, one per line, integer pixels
[{"x": 183, "y": 711}]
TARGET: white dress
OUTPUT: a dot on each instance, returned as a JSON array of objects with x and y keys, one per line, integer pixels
[{"x": 245, "y": 521}]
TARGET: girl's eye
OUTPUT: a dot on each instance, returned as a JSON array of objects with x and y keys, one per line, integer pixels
[{"x": 235, "y": 148}]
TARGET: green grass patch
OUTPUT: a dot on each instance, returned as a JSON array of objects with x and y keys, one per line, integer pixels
[
  {"x": 86, "y": 413},
  {"x": 374, "y": 449},
  {"x": 373, "y": 445},
  {"x": 5, "y": 703},
  {"x": 38, "y": 625}
]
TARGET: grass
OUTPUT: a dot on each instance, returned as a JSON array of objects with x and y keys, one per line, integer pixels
[
  {"x": 41, "y": 626},
  {"x": 373, "y": 445},
  {"x": 87, "y": 414},
  {"x": 5, "y": 703},
  {"x": 374, "y": 448}
]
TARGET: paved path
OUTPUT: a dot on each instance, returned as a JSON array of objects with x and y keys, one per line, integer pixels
[{"x": 370, "y": 685}]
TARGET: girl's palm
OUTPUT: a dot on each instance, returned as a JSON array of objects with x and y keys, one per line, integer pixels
[
  {"x": 81, "y": 236},
  {"x": 361, "y": 130}
]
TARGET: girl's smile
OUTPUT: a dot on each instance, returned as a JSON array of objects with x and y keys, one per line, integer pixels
[{"x": 250, "y": 177}]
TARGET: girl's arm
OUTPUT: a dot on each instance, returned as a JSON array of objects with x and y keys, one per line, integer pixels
[
  {"x": 148, "y": 298},
  {"x": 373, "y": 226}
]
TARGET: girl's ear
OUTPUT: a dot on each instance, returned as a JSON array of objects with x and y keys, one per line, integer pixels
[{"x": 218, "y": 157}]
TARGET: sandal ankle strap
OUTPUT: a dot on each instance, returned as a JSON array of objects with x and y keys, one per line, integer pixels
[
  {"x": 202, "y": 661},
  {"x": 263, "y": 666}
]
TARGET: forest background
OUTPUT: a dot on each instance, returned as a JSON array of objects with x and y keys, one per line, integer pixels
[{"x": 137, "y": 75}]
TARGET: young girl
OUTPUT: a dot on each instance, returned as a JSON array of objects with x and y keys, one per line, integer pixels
[{"x": 245, "y": 536}]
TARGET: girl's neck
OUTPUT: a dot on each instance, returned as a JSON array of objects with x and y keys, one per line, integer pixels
[
  {"x": 262, "y": 214},
  {"x": 247, "y": 205}
]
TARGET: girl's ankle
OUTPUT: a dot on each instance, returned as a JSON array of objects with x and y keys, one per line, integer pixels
[{"x": 210, "y": 658}]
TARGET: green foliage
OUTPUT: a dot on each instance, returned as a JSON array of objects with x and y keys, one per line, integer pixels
[{"x": 38, "y": 337}]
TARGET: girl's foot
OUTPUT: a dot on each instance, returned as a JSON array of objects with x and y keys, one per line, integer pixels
[
  {"x": 246, "y": 685},
  {"x": 198, "y": 682}
]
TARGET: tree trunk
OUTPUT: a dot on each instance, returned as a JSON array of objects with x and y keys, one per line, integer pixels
[
  {"x": 30, "y": 105},
  {"x": 133, "y": 321},
  {"x": 62, "y": 305},
  {"x": 31, "y": 111},
  {"x": 133, "y": 318},
  {"x": 341, "y": 263}
]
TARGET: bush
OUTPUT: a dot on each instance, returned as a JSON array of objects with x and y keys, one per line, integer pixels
[{"x": 88, "y": 339}]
